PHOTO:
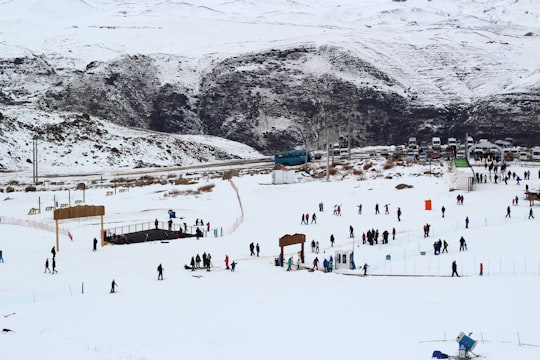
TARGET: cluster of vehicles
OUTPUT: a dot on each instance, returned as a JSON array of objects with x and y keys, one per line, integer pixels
[
  {"x": 501, "y": 149},
  {"x": 424, "y": 151}
]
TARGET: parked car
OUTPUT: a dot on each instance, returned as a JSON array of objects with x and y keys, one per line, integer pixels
[{"x": 410, "y": 157}]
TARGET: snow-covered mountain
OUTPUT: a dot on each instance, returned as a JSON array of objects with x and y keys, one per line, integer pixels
[
  {"x": 277, "y": 74},
  {"x": 70, "y": 143}
]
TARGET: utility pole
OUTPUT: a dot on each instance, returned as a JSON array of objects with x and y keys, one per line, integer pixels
[{"x": 34, "y": 160}]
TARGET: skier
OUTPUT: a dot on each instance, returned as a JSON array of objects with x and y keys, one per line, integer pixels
[
  {"x": 192, "y": 263},
  {"x": 332, "y": 239},
  {"x": 47, "y": 266},
  {"x": 160, "y": 272},
  {"x": 454, "y": 269},
  {"x": 359, "y": 209},
  {"x": 227, "y": 262},
  {"x": 351, "y": 231},
  {"x": 289, "y": 263},
  {"x": 443, "y": 209},
  {"x": 507, "y": 212},
  {"x": 530, "y": 216},
  {"x": 54, "y": 266},
  {"x": 314, "y": 218},
  {"x": 376, "y": 209},
  {"x": 1, "y": 256},
  {"x": 95, "y": 245},
  {"x": 399, "y": 214},
  {"x": 481, "y": 269},
  {"x": 113, "y": 286},
  {"x": 467, "y": 222},
  {"x": 307, "y": 218},
  {"x": 233, "y": 265},
  {"x": 258, "y": 249},
  {"x": 303, "y": 221},
  {"x": 365, "y": 268},
  {"x": 252, "y": 248}
]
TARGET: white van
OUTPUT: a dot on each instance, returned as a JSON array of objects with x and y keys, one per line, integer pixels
[
  {"x": 436, "y": 143},
  {"x": 412, "y": 143},
  {"x": 452, "y": 142},
  {"x": 535, "y": 153},
  {"x": 470, "y": 141}
]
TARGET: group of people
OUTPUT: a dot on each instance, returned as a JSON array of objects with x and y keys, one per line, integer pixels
[
  {"x": 254, "y": 249},
  {"x": 371, "y": 237},
  {"x": 195, "y": 262},
  {"x": 305, "y": 219},
  {"x": 437, "y": 247},
  {"x": 47, "y": 268}
]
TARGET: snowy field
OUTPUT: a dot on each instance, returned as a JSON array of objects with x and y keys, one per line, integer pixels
[{"x": 261, "y": 311}]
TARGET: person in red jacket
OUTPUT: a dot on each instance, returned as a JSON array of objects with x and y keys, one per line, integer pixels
[{"x": 227, "y": 262}]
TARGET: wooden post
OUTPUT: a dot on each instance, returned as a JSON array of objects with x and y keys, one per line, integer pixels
[
  {"x": 102, "y": 233},
  {"x": 57, "y": 242},
  {"x": 281, "y": 257}
]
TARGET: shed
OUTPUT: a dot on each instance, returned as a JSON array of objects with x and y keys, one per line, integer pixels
[
  {"x": 344, "y": 260},
  {"x": 283, "y": 177}
]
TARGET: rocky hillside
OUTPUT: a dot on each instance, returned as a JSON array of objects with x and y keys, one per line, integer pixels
[
  {"x": 78, "y": 143},
  {"x": 398, "y": 69}
]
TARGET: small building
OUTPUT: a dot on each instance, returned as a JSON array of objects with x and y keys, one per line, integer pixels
[
  {"x": 283, "y": 177},
  {"x": 344, "y": 260}
]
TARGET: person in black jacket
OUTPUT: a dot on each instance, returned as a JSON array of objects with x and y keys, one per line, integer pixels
[
  {"x": 160, "y": 272},
  {"x": 113, "y": 286},
  {"x": 454, "y": 269}
]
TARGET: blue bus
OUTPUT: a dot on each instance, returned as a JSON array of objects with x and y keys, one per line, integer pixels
[{"x": 292, "y": 157}]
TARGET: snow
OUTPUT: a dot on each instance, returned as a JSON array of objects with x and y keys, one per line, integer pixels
[
  {"x": 262, "y": 311},
  {"x": 444, "y": 51}
]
